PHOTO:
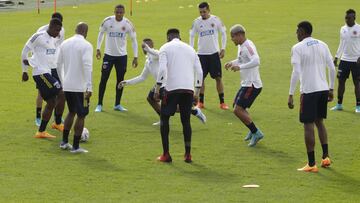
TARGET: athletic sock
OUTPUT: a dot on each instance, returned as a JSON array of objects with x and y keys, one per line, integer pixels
[
  {"x": 221, "y": 98},
  {"x": 201, "y": 98},
  {"x": 58, "y": 118},
  {"x": 38, "y": 112},
  {"x": 340, "y": 99},
  {"x": 357, "y": 102},
  {"x": 43, "y": 125},
  {"x": 252, "y": 127},
  {"x": 164, "y": 130},
  {"x": 76, "y": 142},
  {"x": 66, "y": 136},
  {"x": 325, "y": 151},
  {"x": 194, "y": 112},
  {"x": 311, "y": 158}
]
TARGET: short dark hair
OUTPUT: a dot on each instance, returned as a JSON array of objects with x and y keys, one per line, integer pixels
[
  {"x": 173, "y": 31},
  {"x": 147, "y": 40},
  {"x": 119, "y": 6},
  {"x": 204, "y": 5},
  {"x": 55, "y": 21},
  {"x": 350, "y": 11},
  {"x": 306, "y": 26},
  {"x": 57, "y": 15}
]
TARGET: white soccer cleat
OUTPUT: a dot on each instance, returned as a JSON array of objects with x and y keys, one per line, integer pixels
[
  {"x": 119, "y": 108},
  {"x": 156, "y": 123},
  {"x": 357, "y": 109},
  {"x": 200, "y": 115},
  {"x": 65, "y": 146},
  {"x": 79, "y": 151},
  {"x": 98, "y": 108}
]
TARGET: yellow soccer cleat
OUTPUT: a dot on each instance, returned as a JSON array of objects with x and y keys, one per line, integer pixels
[
  {"x": 308, "y": 168},
  {"x": 325, "y": 163},
  {"x": 59, "y": 127},
  {"x": 44, "y": 135}
]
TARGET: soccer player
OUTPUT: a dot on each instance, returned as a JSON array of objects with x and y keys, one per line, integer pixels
[
  {"x": 247, "y": 63},
  {"x": 117, "y": 28},
  {"x": 207, "y": 27},
  {"x": 349, "y": 52},
  {"x": 43, "y": 47},
  {"x": 75, "y": 69},
  {"x": 59, "y": 108},
  {"x": 152, "y": 67},
  {"x": 180, "y": 70},
  {"x": 309, "y": 59}
]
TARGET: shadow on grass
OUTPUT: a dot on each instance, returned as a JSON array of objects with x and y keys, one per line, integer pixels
[
  {"x": 340, "y": 180},
  {"x": 202, "y": 173}
]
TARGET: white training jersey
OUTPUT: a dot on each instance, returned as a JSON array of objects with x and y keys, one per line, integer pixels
[
  {"x": 151, "y": 67},
  {"x": 248, "y": 60},
  {"x": 179, "y": 66},
  {"x": 116, "y": 34},
  {"x": 75, "y": 64},
  {"x": 43, "y": 47},
  {"x": 208, "y": 34},
  {"x": 312, "y": 56},
  {"x": 349, "y": 47},
  {"x": 59, "y": 39}
]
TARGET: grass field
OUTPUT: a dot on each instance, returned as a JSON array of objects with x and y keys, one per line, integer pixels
[{"x": 121, "y": 166}]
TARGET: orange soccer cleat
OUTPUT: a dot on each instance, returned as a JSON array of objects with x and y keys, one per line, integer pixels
[
  {"x": 308, "y": 168},
  {"x": 59, "y": 127},
  {"x": 224, "y": 106},
  {"x": 43, "y": 135},
  {"x": 165, "y": 158},
  {"x": 325, "y": 163},
  {"x": 200, "y": 105}
]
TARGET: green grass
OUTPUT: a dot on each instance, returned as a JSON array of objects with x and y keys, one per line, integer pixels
[{"x": 121, "y": 165}]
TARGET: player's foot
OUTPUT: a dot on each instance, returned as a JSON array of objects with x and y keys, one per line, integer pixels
[
  {"x": 337, "y": 107},
  {"x": 255, "y": 138},
  {"x": 59, "y": 127},
  {"x": 165, "y": 158},
  {"x": 357, "y": 109},
  {"x": 325, "y": 162},
  {"x": 308, "y": 168},
  {"x": 156, "y": 123},
  {"x": 98, "y": 108},
  {"x": 187, "y": 158},
  {"x": 119, "y": 108},
  {"x": 200, "y": 115},
  {"x": 248, "y": 136},
  {"x": 65, "y": 146},
  {"x": 38, "y": 121},
  {"x": 200, "y": 105},
  {"x": 78, "y": 150},
  {"x": 224, "y": 106},
  {"x": 43, "y": 135}
]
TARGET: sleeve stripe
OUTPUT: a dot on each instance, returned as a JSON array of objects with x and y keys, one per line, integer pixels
[{"x": 251, "y": 51}]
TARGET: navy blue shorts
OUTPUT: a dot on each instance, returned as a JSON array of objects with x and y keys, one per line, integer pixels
[
  {"x": 55, "y": 74},
  {"x": 77, "y": 103},
  {"x": 211, "y": 64},
  {"x": 246, "y": 96},
  {"x": 48, "y": 86},
  {"x": 171, "y": 100},
  {"x": 120, "y": 63},
  {"x": 313, "y": 106},
  {"x": 152, "y": 92},
  {"x": 345, "y": 67}
]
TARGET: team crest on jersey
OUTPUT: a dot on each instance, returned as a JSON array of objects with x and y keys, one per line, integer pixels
[
  {"x": 212, "y": 25},
  {"x": 123, "y": 28}
]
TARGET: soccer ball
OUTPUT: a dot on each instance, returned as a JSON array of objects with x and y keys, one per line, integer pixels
[{"x": 85, "y": 135}]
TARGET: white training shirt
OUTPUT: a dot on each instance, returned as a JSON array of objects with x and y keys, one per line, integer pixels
[
  {"x": 116, "y": 34},
  {"x": 349, "y": 47},
  {"x": 74, "y": 65},
  {"x": 151, "y": 67},
  {"x": 208, "y": 34},
  {"x": 248, "y": 60},
  {"x": 59, "y": 39},
  {"x": 43, "y": 47},
  {"x": 309, "y": 58},
  {"x": 179, "y": 66}
]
